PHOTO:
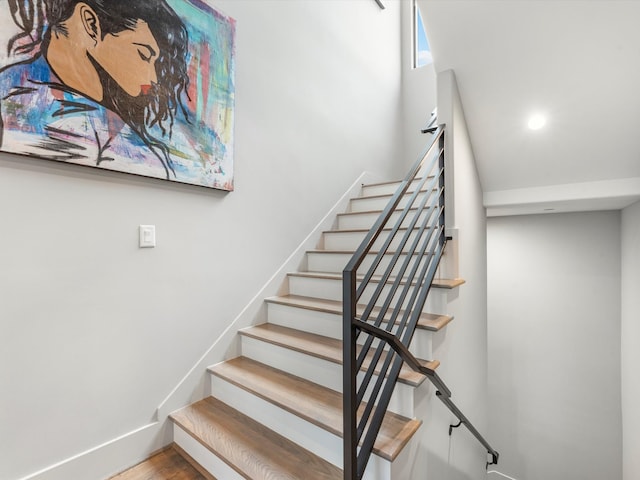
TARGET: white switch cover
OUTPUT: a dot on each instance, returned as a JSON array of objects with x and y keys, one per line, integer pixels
[{"x": 147, "y": 236}]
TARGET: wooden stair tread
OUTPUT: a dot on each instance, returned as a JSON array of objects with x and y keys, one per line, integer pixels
[
  {"x": 428, "y": 321},
  {"x": 445, "y": 283},
  {"x": 249, "y": 447},
  {"x": 312, "y": 402},
  {"x": 166, "y": 465},
  {"x": 326, "y": 348},
  {"x": 448, "y": 283}
]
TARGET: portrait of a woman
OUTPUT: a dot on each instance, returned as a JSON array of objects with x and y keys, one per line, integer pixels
[{"x": 102, "y": 83}]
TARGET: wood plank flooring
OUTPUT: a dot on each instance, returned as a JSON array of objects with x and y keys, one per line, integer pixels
[{"x": 166, "y": 465}]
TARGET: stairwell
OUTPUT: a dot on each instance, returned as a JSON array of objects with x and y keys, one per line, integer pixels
[{"x": 275, "y": 412}]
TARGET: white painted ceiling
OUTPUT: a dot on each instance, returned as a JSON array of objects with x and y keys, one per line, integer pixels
[{"x": 578, "y": 62}]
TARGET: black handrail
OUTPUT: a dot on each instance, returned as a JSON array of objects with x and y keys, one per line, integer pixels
[{"x": 404, "y": 279}]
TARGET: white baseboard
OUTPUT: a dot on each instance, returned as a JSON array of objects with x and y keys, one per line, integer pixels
[
  {"x": 495, "y": 475},
  {"x": 110, "y": 458}
]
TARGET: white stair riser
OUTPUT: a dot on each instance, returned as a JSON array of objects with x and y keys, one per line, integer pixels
[
  {"x": 350, "y": 240},
  {"x": 402, "y": 400},
  {"x": 366, "y": 220},
  {"x": 330, "y": 325},
  {"x": 403, "y": 467},
  {"x": 320, "y": 371},
  {"x": 331, "y": 289},
  {"x": 367, "y": 204},
  {"x": 380, "y": 189},
  {"x": 312, "y": 321},
  {"x": 380, "y": 469},
  {"x": 205, "y": 457},
  {"x": 422, "y": 345}
]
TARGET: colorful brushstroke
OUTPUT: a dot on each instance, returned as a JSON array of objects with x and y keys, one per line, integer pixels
[{"x": 211, "y": 90}]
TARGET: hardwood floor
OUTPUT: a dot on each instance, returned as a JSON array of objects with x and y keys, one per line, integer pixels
[{"x": 166, "y": 465}]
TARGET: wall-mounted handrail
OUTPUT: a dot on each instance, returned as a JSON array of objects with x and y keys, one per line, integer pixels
[
  {"x": 396, "y": 284},
  {"x": 442, "y": 392}
]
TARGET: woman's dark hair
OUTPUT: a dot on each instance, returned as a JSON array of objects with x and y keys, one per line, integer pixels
[
  {"x": 29, "y": 15},
  {"x": 38, "y": 19}
]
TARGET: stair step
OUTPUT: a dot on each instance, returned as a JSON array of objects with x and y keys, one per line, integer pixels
[
  {"x": 387, "y": 188},
  {"x": 333, "y": 261},
  {"x": 317, "y": 405},
  {"x": 350, "y": 240},
  {"x": 444, "y": 283},
  {"x": 379, "y": 202},
  {"x": 329, "y": 349},
  {"x": 428, "y": 321},
  {"x": 365, "y": 220},
  {"x": 250, "y": 448},
  {"x": 169, "y": 463},
  {"x": 329, "y": 286}
]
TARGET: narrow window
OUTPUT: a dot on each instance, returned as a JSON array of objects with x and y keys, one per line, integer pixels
[{"x": 421, "y": 49}]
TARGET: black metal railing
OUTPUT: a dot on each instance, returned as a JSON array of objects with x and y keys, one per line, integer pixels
[{"x": 399, "y": 257}]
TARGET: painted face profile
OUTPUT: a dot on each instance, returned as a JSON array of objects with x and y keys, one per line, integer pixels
[
  {"x": 85, "y": 47},
  {"x": 130, "y": 58}
]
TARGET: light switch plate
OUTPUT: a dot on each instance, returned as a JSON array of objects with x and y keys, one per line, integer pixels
[{"x": 147, "y": 236}]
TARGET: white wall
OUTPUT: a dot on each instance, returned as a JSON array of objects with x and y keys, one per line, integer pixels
[
  {"x": 630, "y": 341},
  {"x": 95, "y": 332},
  {"x": 554, "y": 345},
  {"x": 462, "y": 345}
]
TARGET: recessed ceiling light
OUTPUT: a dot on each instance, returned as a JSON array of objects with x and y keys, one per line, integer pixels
[{"x": 536, "y": 122}]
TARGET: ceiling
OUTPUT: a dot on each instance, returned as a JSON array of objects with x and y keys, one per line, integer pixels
[{"x": 577, "y": 62}]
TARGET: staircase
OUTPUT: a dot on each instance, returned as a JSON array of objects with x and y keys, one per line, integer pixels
[{"x": 276, "y": 411}]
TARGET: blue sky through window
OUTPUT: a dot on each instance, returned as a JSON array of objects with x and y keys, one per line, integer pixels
[{"x": 422, "y": 49}]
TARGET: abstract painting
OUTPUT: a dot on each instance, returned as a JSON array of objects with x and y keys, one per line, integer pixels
[{"x": 141, "y": 87}]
